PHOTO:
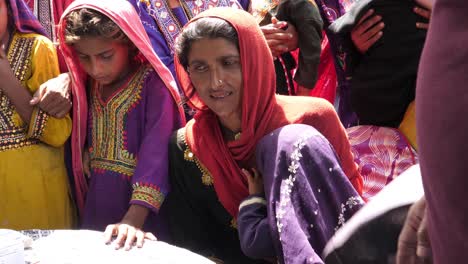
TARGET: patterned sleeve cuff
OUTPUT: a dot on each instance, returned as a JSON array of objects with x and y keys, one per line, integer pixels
[
  {"x": 252, "y": 199},
  {"x": 37, "y": 123},
  {"x": 148, "y": 195}
]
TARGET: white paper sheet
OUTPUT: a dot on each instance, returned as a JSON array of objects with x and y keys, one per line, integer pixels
[
  {"x": 84, "y": 246},
  {"x": 11, "y": 247}
]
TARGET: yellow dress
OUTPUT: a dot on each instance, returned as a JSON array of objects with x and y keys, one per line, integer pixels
[
  {"x": 408, "y": 125},
  {"x": 33, "y": 180}
]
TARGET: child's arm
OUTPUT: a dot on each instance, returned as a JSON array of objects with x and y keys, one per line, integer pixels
[
  {"x": 252, "y": 221},
  {"x": 150, "y": 181},
  {"x": 306, "y": 17},
  {"x": 44, "y": 64}
]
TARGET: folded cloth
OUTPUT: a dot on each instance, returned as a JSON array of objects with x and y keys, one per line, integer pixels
[{"x": 371, "y": 235}]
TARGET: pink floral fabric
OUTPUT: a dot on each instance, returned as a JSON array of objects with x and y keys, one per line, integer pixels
[{"x": 382, "y": 154}]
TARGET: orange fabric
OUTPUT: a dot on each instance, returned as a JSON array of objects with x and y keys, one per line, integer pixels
[{"x": 262, "y": 112}]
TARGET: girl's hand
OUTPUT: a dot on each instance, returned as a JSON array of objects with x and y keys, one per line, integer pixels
[
  {"x": 128, "y": 231},
  {"x": 53, "y": 96},
  {"x": 126, "y": 235},
  {"x": 255, "y": 182}
]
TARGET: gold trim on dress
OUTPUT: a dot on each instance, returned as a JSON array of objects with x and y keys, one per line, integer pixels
[{"x": 206, "y": 178}]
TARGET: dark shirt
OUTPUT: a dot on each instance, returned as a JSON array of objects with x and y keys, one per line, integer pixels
[
  {"x": 383, "y": 80},
  {"x": 198, "y": 221},
  {"x": 305, "y": 17}
]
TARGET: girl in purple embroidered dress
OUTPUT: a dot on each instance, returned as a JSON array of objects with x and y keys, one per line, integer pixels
[{"x": 131, "y": 115}]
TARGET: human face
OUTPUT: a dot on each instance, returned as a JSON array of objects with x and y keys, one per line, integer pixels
[
  {"x": 215, "y": 69},
  {"x": 3, "y": 24},
  {"x": 106, "y": 61}
]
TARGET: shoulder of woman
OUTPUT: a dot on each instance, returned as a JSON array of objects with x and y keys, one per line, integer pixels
[{"x": 39, "y": 39}]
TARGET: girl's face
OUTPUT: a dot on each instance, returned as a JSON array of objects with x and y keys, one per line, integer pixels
[
  {"x": 215, "y": 69},
  {"x": 3, "y": 22},
  {"x": 106, "y": 61}
]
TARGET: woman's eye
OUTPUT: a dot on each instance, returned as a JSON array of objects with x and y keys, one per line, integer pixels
[
  {"x": 200, "y": 68},
  {"x": 107, "y": 57},
  {"x": 83, "y": 57},
  {"x": 230, "y": 62}
]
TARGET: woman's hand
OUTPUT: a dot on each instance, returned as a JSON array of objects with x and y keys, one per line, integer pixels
[
  {"x": 279, "y": 39},
  {"x": 367, "y": 31},
  {"x": 413, "y": 244},
  {"x": 53, "y": 96},
  {"x": 128, "y": 231},
  {"x": 425, "y": 13},
  {"x": 255, "y": 182}
]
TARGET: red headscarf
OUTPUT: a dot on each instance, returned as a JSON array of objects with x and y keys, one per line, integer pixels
[
  {"x": 262, "y": 112},
  {"x": 124, "y": 15}
]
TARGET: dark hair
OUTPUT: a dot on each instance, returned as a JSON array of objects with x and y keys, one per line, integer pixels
[
  {"x": 208, "y": 27},
  {"x": 90, "y": 23}
]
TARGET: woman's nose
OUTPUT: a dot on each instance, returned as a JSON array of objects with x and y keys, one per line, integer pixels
[{"x": 217, "y": 80}]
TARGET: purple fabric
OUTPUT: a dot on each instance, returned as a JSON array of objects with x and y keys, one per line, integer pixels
[
  {"x": 330, "y": 11},
  {"x": 441, "y": 107},
  {"x": 147, "y": 127},
  {"x": 308, "y": 195},
  {"x": 25, "y": 21}
]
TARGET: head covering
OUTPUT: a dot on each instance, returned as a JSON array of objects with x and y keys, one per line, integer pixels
[
  {"x": 24, "y": 19},
  {"x": 262, "y": 112},
  {"x": 125, "y": 16}
]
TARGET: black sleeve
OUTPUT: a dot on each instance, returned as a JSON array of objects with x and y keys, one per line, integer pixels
[{"x": 305, "y": 16}]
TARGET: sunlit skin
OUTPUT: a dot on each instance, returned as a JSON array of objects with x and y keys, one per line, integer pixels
[
  {"x": 106, "y": 61},
  {"x": 215, "y": 69}
]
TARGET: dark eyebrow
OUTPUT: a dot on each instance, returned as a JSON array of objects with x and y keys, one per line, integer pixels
[
  {"x": 230, "y": 57},
  {"x": 99, "y": 54},
  {"x": 196, "y": 61}
]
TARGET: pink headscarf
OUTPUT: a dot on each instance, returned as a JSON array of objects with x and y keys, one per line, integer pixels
[{"x": 125, "y": 16}]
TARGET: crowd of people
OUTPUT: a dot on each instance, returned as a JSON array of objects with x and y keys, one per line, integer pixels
[{"x": 200, "y": 123}]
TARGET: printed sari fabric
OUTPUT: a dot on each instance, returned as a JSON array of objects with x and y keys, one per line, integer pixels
[
  {"x": 307, "y": 197},
  {"x": 123, "y": 130},
  {"x": 382, "y": 154}
]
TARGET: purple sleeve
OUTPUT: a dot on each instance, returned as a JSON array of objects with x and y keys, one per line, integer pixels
[
  {"x": 441, "y": 103},
  {"x": 157, "y": 39},
  {"x": 245, "y": 4},
  {"x": 254, "y": 229},
  {"x": 150, "y": 181}
]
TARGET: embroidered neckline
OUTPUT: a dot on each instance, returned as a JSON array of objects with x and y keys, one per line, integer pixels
[{"x": 206, "y": 178}]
